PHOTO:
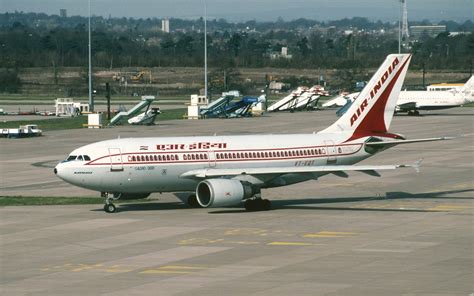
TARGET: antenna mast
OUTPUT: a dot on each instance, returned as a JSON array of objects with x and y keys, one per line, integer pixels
[
  {"x": 405, "y": 32},
  {"x": 205, "y": 49}
]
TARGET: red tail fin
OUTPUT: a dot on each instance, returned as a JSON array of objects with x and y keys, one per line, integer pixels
[{"x": 372, "y": 111}]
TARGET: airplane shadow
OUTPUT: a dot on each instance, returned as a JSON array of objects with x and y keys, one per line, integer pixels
[
  {"x": 320, "y": 203},
  {"x": 324, "y": 204}
]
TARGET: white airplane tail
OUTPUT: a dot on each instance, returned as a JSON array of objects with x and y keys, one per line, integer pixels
[
  {"x": 372, "y": 111},
  {"x": 467, "y": 91},
  {"x": 469, "y": 84}
]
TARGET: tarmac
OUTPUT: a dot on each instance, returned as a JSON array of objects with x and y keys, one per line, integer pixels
[{"x": 404, "y": 233}]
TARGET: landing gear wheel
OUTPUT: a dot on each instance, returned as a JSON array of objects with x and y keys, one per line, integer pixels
[
  {"x": 266, "y": 205},
  {"x": 193, "y": 202},
  {"x": 257, "y": 205},
  {"x": 110, "y": 208}
]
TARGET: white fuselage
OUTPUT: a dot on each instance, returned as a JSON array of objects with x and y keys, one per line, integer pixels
[
  {"x": 432, "y": 99},
  {"x": 146, "y": 165}
]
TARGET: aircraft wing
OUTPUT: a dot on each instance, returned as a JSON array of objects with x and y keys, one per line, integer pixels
[{"x": 339, "y": 170}]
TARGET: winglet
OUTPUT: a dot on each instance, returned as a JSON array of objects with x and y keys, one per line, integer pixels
[{"x": 416, "y": 165}]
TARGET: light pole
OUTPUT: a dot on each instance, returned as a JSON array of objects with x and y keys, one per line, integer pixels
[
  {"x": 400, "y": 29},
  {"x": 91, "y": 99},
  {"x": 205, "y": 49}
]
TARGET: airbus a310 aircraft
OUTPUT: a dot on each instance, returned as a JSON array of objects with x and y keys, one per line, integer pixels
[{"x": 230, "y": 170}]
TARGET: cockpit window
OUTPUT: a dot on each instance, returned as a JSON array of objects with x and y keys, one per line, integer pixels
[
  {"x": 71, "y": 158},
  {"x": 86, "y": 157},
  {"x": 79, "y": 158}
]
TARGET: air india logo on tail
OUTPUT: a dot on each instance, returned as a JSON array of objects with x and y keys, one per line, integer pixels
[{"x": 363, "y": 106}]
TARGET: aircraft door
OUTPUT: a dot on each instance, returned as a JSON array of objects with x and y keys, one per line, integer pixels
[
  {"x": 116, "y": 162},
  {"x": 330, "y": 152},
  {"x": 212, "y": 158}
]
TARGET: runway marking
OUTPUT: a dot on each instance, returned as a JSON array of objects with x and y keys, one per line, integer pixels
[
  {"x": 206, "y": 241},
  {"x": 136, "y": 263},
  {"x": 199, "y": 241},
  {"x": 289, "y": 244},
  {"x": 174, "y": 269},
  {"x": 158, "y": 271},
  {"x": 83, "y": 267},
  {"x": 182, "y": 267},
  {"x": 383, "y": 250},
  {"x": 247, "y": 231},
  {"x": 329, "y": 234},
  {"x": 449, "y": 208}
]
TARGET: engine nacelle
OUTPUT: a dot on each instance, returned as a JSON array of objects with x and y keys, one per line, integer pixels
[
  {"x": 130, "y": 196},
  {"x": 222, "y": 192}
]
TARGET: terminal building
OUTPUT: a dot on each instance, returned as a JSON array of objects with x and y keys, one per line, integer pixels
[
  {"x": 431, "y": 31},
  {"x": 165, "y": 25}
]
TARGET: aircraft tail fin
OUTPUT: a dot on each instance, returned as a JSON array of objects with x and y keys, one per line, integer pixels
[
  {"x": 372, "y": 111},
  {"x": 467, "y": 91},
  {"x": 469, "y": 84}
]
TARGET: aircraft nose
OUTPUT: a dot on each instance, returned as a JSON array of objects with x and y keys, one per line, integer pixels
[{"x": 57, "y": 171}]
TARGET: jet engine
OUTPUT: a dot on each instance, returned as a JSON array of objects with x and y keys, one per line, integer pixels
[{"x": 222, "y": 192}]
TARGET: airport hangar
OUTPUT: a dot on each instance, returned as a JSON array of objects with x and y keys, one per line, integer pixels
[{"x": 404, "y": 233}]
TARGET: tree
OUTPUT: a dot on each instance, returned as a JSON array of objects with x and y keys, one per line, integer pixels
[{"x": 9, "y": 81}]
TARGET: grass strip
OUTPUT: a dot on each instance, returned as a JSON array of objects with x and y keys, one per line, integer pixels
[
  {"x": 77, "y": 122},
  {"x": 49, "y": 200}
]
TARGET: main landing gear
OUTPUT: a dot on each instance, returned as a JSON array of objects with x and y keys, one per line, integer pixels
[
  {"x": 413, "y": 113},
  {"x": 109, "y": 207},
  {"x": 257, "y": 204},
  {"x": 193, "y": 202}
]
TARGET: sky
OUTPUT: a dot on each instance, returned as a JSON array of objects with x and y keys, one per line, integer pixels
[{"x": 259, "y": 10}]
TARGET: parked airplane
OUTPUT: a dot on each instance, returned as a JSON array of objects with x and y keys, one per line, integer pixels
[
  {"x": 413, "y": 101},
  {"x": 229, "y": 170}
]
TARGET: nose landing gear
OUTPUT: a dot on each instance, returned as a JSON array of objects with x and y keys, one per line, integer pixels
[{"x": 109, "y": 207}]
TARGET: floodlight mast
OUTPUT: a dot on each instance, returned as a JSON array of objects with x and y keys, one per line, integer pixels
[
  {"x": 91, "y": 99},
  {"x": 400, "y": 28},
  {"x": 205, "y": 49}
]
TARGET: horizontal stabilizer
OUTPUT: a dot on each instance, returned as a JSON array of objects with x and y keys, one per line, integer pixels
[{"x": 398, "y": 142}]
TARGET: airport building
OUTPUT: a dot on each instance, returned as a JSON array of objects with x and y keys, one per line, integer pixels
[
  {"x": 165, "y": 25},
  {"x": 431, "y": 31}
]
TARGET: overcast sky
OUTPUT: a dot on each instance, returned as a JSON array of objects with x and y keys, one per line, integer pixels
[{"x": 260, "y": 10}]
